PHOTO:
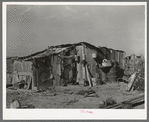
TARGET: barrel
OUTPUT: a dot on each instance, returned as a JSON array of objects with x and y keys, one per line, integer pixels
[{"x": 112, "y": 75}]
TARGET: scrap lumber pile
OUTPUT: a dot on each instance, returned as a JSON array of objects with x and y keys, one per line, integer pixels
[{"x": 127, "y": 104}]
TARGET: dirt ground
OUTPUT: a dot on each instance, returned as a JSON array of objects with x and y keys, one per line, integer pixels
[{"x": 71, "y": 96}]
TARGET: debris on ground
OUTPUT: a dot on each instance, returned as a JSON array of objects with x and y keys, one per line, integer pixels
[
  {"x": 127, "y": 105},
  {"x": 72, "y": 101},
  {"x": 85, "y": 92},
  {"x": 71, "y": 96},
  {"x": 109, "y": 101},
  {"x": 131, "y": 82}
]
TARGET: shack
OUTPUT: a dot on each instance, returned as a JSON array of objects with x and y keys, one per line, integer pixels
[{"x": 78, "y": 63}]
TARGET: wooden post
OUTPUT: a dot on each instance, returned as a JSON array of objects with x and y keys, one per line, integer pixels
[
  {"x": 32, "y": 82},
  {"x": 88, "y": 76}
]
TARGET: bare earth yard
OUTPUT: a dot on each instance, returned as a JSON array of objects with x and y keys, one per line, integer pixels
[{"x": 71, "y": 96}]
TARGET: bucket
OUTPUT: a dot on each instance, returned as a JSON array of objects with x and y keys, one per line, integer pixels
[{"x": 112, "y": 75}]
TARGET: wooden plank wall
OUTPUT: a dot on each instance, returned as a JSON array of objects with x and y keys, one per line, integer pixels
[
  {"x": 79, "y": 65},
  {"x": 91, "y": 61}
]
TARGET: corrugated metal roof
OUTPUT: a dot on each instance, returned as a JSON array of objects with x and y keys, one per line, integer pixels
[{"x": 59, "y": 48}]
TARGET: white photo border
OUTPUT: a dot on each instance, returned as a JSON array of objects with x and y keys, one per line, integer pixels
[{"x": 73, "y": 114}]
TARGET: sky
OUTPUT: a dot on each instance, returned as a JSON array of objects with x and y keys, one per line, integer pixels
[{"x": 32, "y": 28}]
